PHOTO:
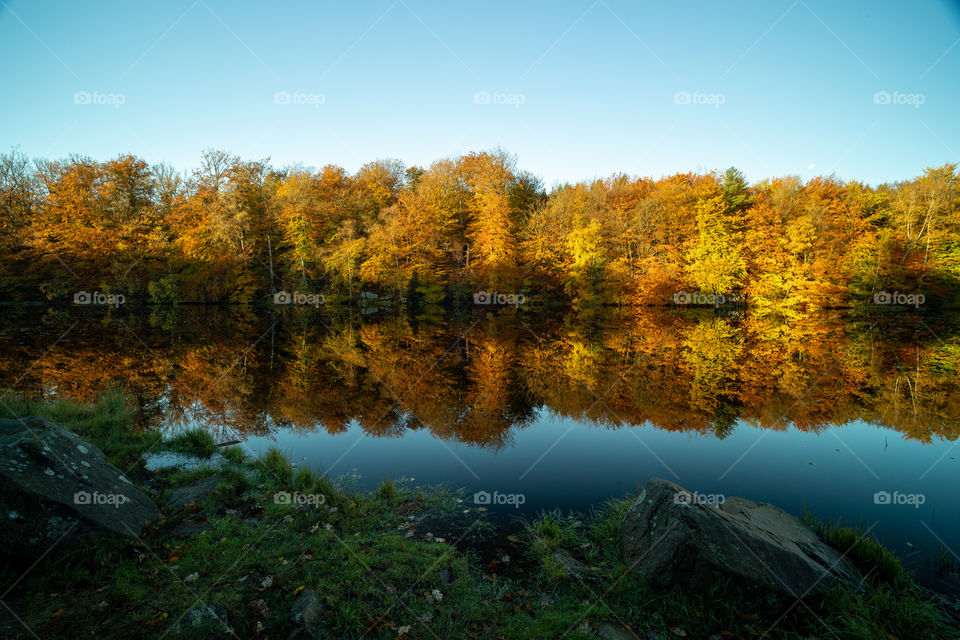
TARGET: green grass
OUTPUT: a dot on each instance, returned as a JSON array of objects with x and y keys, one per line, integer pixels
[
  {"x": 236, "y": 455},
  {"x": 368, "y": 556},
  {"x": 547, "y": 534},
  {"x": 276, "y": 464},
  {"x": 865, "y": 551},
  {"x": 892, "y": 601},
  {"x": 196, "y": 442},
  {"x": 387, "y": 492}
]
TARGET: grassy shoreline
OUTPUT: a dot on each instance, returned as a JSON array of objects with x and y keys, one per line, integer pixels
[{"x": 394, "y": 562}]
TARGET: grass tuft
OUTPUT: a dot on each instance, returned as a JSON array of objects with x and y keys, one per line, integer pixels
[
  {"x": 276, "y": 463},
  {"x": 306, "y": 480},
  {"x": 195, "y": 442},
  {"x": 865, "y": 551},
  {"x": 236, "y": 455},
  {"x": 387, "y": 492}
]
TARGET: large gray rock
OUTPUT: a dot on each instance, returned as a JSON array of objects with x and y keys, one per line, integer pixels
[
  {"x": 573, "y": 567},
  {"x": 676, "y": 541},
  {"x": 55, "y": 487},
  {"x": 197, "y": 492}
]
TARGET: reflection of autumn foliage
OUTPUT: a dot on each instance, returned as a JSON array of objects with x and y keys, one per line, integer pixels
[
  {"x": 241, "y": 375},
  {"x": 711, "y": 349}
]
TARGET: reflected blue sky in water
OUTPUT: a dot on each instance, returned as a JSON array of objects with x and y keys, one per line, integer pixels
[{"x": 570, "y": 465}]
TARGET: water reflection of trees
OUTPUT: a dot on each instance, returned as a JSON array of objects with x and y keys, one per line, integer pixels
[{"x": 478, "y": 380}]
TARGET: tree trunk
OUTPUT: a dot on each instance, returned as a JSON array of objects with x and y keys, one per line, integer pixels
[{"x": 270, "y": 254}]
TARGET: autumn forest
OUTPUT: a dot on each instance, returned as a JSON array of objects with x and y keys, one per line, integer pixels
[{"x": 239, "y": 231}]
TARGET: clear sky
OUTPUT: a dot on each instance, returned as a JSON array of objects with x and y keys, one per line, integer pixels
[{"x": 575, "y": 89}]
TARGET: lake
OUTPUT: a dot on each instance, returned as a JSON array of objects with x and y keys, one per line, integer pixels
[{"x": 853, "y": 415}]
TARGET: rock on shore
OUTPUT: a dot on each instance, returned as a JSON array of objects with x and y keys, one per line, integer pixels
[
  {"x": 675, "y": 540},
  {"x": 58, "y": 489}
]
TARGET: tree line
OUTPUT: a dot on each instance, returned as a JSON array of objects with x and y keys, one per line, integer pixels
[{"x": 239, "y": 231}]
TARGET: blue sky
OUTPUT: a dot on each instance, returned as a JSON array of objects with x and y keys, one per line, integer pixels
[{"x": 575, "y": 89}]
